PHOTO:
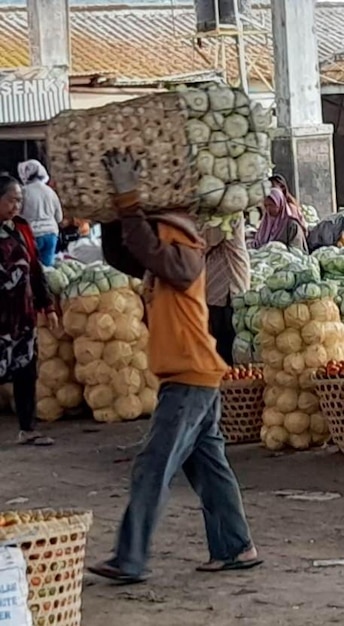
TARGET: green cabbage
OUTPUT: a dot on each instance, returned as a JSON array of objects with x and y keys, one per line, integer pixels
[
  {"x": 251, "y": 298},
  {"x": 117, "y": 279},
  {"x": 337, "y": 278},
  {"x": 252, "y": 319},
  {"x": 281, "y": 299},
  {"x": 310, "y": 291},
  {"x": 238, "y": 302},
  {"x": 334, "y": 265},
  {"x": 325, "y": 253},
  {"x": 298, "y": 253},
  {"x": 57, "y": 280},
  {"x": 329, "y": 289},
  {"x": 281, "y": 280},
  {"x": 87, "y": 289},
  {"x": 265, "y": 296},
  {"x": 310, "y": 275},
  {"x": 238, "y": 320}
]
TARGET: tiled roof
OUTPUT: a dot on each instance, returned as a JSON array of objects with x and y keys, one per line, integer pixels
[{"x": 146, "y": 43}]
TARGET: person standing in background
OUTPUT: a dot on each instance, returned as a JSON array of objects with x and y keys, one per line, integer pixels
[
  {"x": 227, "y": 274},
  {"x": 23, "y": 293},
  {"x": 281, "y": 222},
  {"x": 41, "y": 208},
  {"x": 279, "y": 182}
]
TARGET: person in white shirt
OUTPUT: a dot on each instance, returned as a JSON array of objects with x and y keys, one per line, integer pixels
[{"x": 41, "y": 208}]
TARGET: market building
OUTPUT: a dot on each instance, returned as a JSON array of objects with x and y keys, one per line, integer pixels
[{"x": 108, "y": 53}]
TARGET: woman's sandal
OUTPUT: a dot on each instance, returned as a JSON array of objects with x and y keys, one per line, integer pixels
[
  {"x": 227, "y": 566},
  {"x": 33, "y": 438},
  {"x": 43, "y": 441}
]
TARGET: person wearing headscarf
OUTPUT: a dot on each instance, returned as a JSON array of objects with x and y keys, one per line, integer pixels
[
  {"x": 281, "y": 222},
  {"x": 227, "y": 275},
  {"x": 41, "y": 208},
  {"x": 279, "y": 182}
]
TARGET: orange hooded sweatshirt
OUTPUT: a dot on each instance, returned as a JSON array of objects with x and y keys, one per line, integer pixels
[{"x": 167, "y": 250}]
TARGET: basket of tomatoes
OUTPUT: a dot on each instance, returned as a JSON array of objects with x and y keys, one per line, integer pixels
[
  {"x": 329, "y": 387},
  {"x": 242, "y": 404},
  {"x": 53, "y": 544}
]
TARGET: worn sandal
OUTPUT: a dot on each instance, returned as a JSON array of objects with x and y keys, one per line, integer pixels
[
  {"x": 33, "y": 438},
  {"x": 227, "y": 566},
  {"x": 114, "y": 573}
]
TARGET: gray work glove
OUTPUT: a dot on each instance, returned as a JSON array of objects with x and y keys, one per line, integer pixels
[{"x": 123, "y": 170}]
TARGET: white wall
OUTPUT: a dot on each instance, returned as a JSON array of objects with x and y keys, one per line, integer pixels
[{"x": 88, "y": 100}]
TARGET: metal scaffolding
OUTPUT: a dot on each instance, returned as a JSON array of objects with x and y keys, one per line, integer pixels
[{"x": 223, "y": 34}]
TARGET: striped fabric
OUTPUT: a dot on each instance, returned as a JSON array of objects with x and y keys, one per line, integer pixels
[
  {"x": 228, "y": 267},
  {"x": 218, "y": 274}
]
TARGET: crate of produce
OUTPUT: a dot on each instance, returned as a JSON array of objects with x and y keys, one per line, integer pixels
[
  {"x": 206, "y": 148},
  {"x": 53, "y": 544},
  {"x": 242, "y": 408},
  {"x": 330, "y": 392}
]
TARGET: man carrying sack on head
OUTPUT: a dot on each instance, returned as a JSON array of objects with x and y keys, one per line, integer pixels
[{"x": 184, "y": 432}]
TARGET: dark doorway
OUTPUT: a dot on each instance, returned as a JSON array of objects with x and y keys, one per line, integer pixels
[
  {"x": 14, "y": 151},
  {"x": 333, "y": 113}
]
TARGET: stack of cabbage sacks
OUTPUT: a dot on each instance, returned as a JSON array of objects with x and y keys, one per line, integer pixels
[
  {"x": 246, "y": 317},
  {"x": 104, "y": 316},
  {"x": 300, "y": 331},
  {"x": 331, "y": 261},
  {"x": 57, "y": 390}
]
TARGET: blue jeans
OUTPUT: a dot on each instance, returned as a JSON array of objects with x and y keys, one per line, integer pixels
[
  {"x": 46, "y": 245},
  {"x": 184, "y": 434}
]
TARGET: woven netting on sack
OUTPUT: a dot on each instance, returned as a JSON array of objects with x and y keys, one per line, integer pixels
[
  {"x": 57, "y": 391},
  {"x": 207, "y": 149},
  {"x": 104, "y": 315}
]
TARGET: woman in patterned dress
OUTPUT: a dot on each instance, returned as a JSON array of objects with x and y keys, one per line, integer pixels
[{"x": 23, "y": 292}]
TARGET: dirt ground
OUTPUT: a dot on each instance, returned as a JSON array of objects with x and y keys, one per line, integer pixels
[{"x": 89, "y": 467}]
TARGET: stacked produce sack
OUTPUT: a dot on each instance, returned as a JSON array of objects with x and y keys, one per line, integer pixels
[
  {"x": 230, "y": 138},
  {"x": 208, "y": 147},
  {"x": 247, "y": 307},
  {"x": 104, "y": 316},
  {"x": 331, "y": 261},
  {"x": 57, "y": 390},
  {"x": 300, "y": 332}
]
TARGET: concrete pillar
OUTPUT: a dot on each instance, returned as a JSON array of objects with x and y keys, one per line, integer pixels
[
  {"x": 48, "y": 32},
  {"x": 303, "y": 145}
]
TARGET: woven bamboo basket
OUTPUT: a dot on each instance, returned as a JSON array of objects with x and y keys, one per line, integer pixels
[
  {"x": 242, "y": 410},
  {"x": 331, "y": 399},
  {"x": 53, "y": 544},
  {"x": 153, "y": 127}
]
